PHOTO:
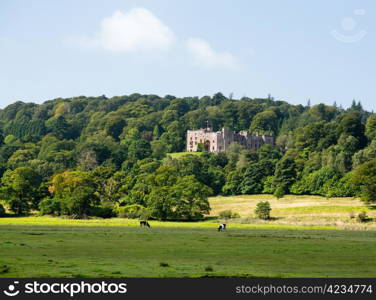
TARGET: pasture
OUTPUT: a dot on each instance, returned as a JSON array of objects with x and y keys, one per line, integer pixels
[
  {"x": 49, "y": 247},
  {"x": 308, "y": 237}
]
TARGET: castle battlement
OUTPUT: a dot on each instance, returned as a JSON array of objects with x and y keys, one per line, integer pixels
[{"x": 219, "y": 141}]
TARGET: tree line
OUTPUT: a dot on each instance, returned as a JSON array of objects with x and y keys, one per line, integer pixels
[{"x": 99, "y": 156}]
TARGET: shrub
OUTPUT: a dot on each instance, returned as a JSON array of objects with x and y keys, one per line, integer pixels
[
  {"x": 132, "y": 211},
  {"x": 235, "y": 215},
  {"x": 50, "y": 206},
  {"x": 228, "y": 214},
  {"x": 362, "y": 217},
  {"x": 104, "y": 211},
  {"x": 2, "y": 211},
  {"x": 262, "y": 210},
  {"x": 279, "y": 192},
  {"x": 225, "y": 214}
]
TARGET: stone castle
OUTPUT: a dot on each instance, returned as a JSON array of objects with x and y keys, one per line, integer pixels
[{"x": 220, "y": 141}]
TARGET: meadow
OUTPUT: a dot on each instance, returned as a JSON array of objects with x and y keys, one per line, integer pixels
[
  {"x": 298, "y": 210},
  {"x": 177, "y": 155},
  {"x": 283, "y": 247}
]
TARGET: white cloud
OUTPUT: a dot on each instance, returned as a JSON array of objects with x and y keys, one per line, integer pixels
[
  {"x": 135, "y": 30},
  {"x": 139, "y": 30},
  {"x": 207, "y": 56}
]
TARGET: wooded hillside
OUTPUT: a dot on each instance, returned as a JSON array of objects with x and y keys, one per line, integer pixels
[{"x": 98, "y": 155}]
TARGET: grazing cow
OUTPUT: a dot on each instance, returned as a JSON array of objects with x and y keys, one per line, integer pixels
[
  {"x": 144, "y": 223},
  {"x": 222, "y": 227}
]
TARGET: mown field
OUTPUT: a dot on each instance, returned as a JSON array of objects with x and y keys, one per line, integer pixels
[
  {"x": 298, "y": 210},
  {"x": 57, "y": 247}
]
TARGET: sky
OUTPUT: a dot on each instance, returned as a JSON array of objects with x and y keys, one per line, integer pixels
[{"x": 293, "y": 50}]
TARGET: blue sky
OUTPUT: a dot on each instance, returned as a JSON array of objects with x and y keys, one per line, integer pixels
[{"x": 293, "y": 50}]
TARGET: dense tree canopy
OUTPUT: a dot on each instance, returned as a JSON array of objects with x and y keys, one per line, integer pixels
[
  {"x": 365, "y": 177},
  {"x": 95, "y": 154}
]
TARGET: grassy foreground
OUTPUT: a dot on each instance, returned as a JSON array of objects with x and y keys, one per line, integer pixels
[{"x": 56, "y": 247}]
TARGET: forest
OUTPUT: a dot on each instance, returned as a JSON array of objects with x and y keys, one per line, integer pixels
[{"x": 106, "y": 157}]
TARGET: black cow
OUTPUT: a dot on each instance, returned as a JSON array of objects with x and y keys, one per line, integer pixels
[
  {"x": 144, "y": 223},
  {"x": 222, "y": 227}
]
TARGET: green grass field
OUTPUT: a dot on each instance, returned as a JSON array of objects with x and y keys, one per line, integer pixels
[
  {"x": 58, "y": 247},
  {"x": 177, "y": 155}
]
